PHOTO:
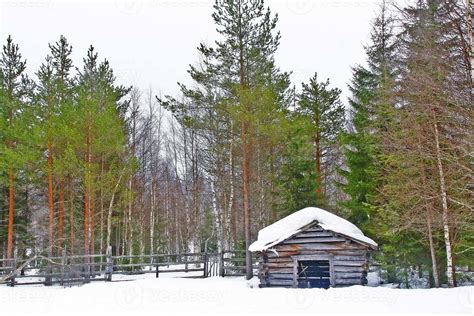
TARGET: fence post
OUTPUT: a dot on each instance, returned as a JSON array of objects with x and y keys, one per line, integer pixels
[
  {"x": 87, "y": 269},
  {"x": 221, "y": 264},
  {"x": 13, "y": 263},
  {"x": 157, "y": 262},
  {"x": 109, "y": 267},
  {"x": 63, "y": 265},
  {"x": 48, "y": 280},
  {"x": 205, "y": 258}
]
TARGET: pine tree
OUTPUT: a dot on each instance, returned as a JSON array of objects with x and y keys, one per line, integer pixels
[
  {"x": 54, "y": 96},
  {"x": 101, "y": 126},
  {"x": 246, "y": 54},
  {"x": 88, "y": 106},
  {"x": 12, "y": 68},
  {"x": 63, "y": 88},
  {"x": 47, "y": 97},
  {"x": 238, "y": 80},
  {"x": 322, "y": 107}
]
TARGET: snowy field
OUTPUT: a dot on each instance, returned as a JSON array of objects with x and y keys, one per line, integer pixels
[{"x": 146, "y": 295}]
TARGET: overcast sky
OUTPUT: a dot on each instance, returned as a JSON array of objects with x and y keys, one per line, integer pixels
[{"x": 150, "y": 43}]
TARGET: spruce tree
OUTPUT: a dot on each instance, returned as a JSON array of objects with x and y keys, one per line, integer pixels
[
  {"x": 359, "y": 148},
  {"x": 425, "y": 153},
  {"x": 368, "y": 106},
  {"x": 296, "y": 177}
]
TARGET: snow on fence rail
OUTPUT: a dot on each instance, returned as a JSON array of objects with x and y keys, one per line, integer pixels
[{"x": 68, "y": 270}]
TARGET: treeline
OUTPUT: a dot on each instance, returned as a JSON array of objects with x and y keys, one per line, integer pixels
[
  {"x": 87, "y": 163},
  {"x": 409, "y": 154}
]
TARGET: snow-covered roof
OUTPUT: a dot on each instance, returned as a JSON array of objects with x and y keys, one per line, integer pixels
[{"x": 296, "y": 222}]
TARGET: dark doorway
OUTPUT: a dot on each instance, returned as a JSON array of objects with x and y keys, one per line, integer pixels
[{"x": 313, "y": 274}]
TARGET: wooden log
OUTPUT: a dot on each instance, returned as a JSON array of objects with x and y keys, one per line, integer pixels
[
  {"x": 347, "y": 263},
  {"x": 282, "y": 254},
  {"x": 280, "y": 276},
  {"x": 349, "y": 257},
  {"x": 348, "y": 269},
  {"x": 282, "y": 286},
  {"x": 348, "y": 281},
  {"x": 348, "y": 275},
  {"x": 280, "y": 282},
  {"x": 277, "y": 270},
  {"x": 183, "y": 270},
  {"x": 287, "y": 281},
  {"x": 280, "y": 259},
  {"x": 339, "y": 254},
  {"x": 315, "y": 228},
  {"x": 316, "y": 234},
  {"x": 315, "y": 240},
  {"x": 279, "y": 264},
  {"x": 336, "y": 246},
  {"x": 165, "y": 264}
]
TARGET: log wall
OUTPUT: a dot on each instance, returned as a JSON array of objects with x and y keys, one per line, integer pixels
[{"x": 348, "y": 259}]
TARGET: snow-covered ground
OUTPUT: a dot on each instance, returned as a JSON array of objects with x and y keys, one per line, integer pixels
[{"x": 146, "y": 295}]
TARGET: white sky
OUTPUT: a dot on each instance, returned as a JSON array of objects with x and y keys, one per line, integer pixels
[{"x": 150, "y": 43}]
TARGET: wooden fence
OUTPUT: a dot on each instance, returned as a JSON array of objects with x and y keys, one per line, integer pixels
[{"x": 68, "y": 270}]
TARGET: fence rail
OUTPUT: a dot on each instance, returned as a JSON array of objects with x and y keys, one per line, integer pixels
[{"x": 68, "y": 270}]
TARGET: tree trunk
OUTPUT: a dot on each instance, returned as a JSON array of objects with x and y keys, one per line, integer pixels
[
  {"x": 50, "y": 199},
  {"x": 101, "y": 193},
  {"x": 61, "y": 216},
  {"x": 11, "y": 210},
  {"x": 109, "y": 213},
  {"x": 230, "y": 219},
  {"x": 317, "y": 154},
  {"x": 130, "y": 206},
  {"x": 152, "y": 217},
  {"x": 218, "y": 222},
  {"x": 141, "y": 238},
  {"x": 428, "y": 214},
  {"x": 87, "y": 185},
  {"x": 71, "y": 215},
  {"x": 444, "y": 203},
  {"x": 86, "y": 222},
  {"x": 432, "y": 249},
  {"x": 245, "y": 138},
  {"x": 470, "y": 14},
  {"x": 91, "y": 220},
  {"x": 246, "y": 197}
]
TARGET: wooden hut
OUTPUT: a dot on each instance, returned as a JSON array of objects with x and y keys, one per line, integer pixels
[{"x": 312, "y": 248}]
